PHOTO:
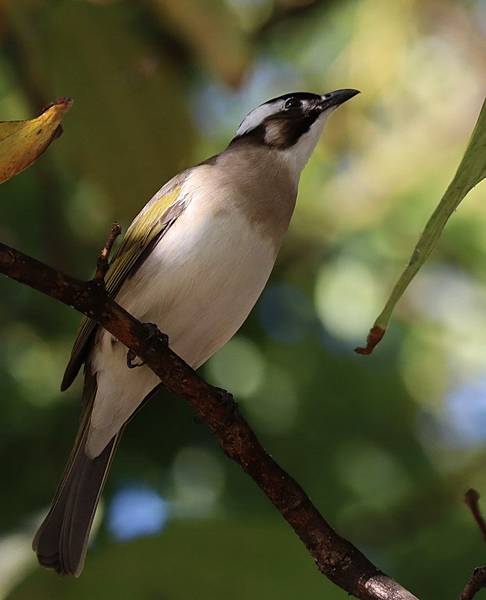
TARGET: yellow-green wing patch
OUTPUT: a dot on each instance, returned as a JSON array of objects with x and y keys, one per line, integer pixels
[{"x": 146, "y": 229}]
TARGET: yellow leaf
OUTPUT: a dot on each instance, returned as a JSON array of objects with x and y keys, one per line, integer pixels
[{"x": 22, "y": 142}]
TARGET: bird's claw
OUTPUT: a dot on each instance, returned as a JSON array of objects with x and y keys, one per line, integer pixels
[
  {"x": 229, "y": 402},
  {"x": 152, "y": 331},
  {"x": 131, "y": 356}
]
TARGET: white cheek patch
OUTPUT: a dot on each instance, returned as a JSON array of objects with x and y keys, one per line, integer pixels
[{"x": 257, "y": 116}]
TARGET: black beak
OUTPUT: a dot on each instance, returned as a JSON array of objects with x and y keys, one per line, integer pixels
[{"x": 334, "y": 99}]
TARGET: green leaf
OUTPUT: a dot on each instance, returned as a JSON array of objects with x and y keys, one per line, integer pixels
[{"x": 470, "y": 172}]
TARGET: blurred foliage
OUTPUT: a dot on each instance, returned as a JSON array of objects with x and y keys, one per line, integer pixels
[
  {"x": 222, "y": 557},
  {"x": 385, "y": 446},
  {"x": 471, "y": 171}
]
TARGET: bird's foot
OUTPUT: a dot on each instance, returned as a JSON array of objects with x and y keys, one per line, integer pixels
[
  {"x": 229, "y": 403},
  {"x": 227, "y": 400},
  {"x": 151, "y": 332},
  {"x": 131, "y": 356}
]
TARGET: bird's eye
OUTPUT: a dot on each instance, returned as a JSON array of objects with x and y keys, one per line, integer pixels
[{"x": 292, "y": 103}]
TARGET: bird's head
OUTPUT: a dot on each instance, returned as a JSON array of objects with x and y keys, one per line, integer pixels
[{"x": 291, "y": 123}]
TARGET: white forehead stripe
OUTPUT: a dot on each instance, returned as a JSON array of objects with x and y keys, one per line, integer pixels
[{"x": 258, "y": 115}]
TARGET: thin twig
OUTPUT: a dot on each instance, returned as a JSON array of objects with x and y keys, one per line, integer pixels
[
  {"x": 103, "y": 261},
  {"x": 471, "y": 498},
  {"x": 475, "y": 584},
  {"x": 478, "y": 579},
  {"x": 335, "y": 557}
]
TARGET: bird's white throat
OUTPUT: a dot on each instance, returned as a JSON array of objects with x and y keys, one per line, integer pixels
[{"x": 296, "y": 157}]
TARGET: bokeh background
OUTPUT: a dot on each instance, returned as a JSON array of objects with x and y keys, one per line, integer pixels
[{"x": 387, "y": 445}]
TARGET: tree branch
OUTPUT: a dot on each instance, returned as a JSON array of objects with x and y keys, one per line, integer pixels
[
  {"x": 477, "y": 580},
  {"x": 471, "y": 498},
  {"x": 475, "y": 584},
  {"x": 335, "y": 557}
]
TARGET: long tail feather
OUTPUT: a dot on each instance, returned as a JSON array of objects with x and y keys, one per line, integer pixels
[{"x": 62, "y": 539}]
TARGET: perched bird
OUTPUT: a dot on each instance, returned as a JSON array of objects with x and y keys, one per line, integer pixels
[{"x": 194, "y": 262}]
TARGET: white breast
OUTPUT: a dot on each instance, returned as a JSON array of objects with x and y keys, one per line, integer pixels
[
  {"x": 201, "y": 280},
  {"x": 198, "y": 285}
]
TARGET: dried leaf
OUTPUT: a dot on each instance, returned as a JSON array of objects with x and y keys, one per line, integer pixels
[
  {"x": 22, "y": 142},
  {"x": 470, "y": 172}
]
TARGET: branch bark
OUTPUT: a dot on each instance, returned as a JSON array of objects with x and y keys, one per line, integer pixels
[
  {"x": 334, "y": 556},
  {"x": 475, "y": 584},
  {"x": 471, "y": 498},
  {"x": 103, "y": 263},
  {"x": 477, "y": 580}
]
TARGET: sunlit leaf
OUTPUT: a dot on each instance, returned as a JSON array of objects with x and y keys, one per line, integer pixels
[
  {"x": 22, "y": 142},
  {"x": 471, "y": 171}
]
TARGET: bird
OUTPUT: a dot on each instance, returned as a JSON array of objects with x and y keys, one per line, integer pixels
[{"x": 194, "y": 262}]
